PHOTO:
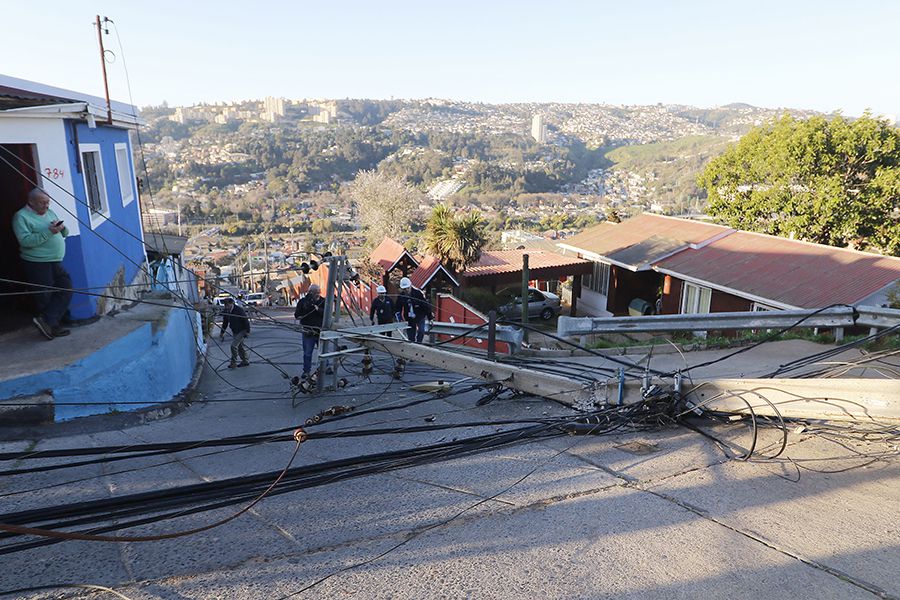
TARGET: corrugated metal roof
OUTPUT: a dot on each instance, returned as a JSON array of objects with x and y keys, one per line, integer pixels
[
  {"x": 40, "y": 93},
  {"x": 667, "y": 235},
  {"x": 163, "y": 243},
  {"x": 388, "y": 253},
  {"x": 643, "y": 254},
  {"x": 786, "y": 271},
  {"x": 494, "y": 262}
]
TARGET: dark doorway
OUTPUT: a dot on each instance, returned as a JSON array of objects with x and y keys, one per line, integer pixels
[{"x": 17, "y": 171}]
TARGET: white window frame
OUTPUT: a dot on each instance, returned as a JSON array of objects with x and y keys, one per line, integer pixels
[
  {"x": 603, "y": 272},
  {"x": 760, "y": 307},
  {"x": 126, "y": 175},
  {"x": 697, "y": 305},
  {"x": 97, "y": 217}
]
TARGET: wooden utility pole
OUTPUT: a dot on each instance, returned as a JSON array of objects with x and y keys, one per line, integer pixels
[
  {"x": 526, "y": 277},
  {"x": 100, "y": 32}
]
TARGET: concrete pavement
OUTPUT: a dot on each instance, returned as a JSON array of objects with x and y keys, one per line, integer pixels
[{"x": 642, "y": 515}]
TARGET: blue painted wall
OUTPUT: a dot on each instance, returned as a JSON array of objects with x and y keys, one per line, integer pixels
[
  {"x": 143, "y": 367},
  {"x": 95, "y": 255}
]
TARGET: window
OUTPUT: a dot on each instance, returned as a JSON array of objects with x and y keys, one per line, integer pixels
[
  {"x": 598, "y": 280},
  {"x": 695, "y": 299},
  {"x": 758, "y": 307},
  {"x": 94, "y": 182},
  {"x": 123, "y": 165}
]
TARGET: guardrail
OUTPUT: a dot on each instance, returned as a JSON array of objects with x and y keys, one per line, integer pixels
[
  {"x": 505, "y": 333},
  {"x": 878, "y": 317},
  {"x": 837, "y": 317}
]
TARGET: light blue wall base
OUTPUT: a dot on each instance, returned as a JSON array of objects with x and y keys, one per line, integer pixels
[{"x": 144, "y": 366}]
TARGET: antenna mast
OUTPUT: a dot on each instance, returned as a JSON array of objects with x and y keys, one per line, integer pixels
[{"x": 100, "y": 32}]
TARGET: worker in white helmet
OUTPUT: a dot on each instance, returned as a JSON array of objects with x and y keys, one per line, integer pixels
[
  {"x": 414, "y": 309},
  {"x": 382, "y": 308}
]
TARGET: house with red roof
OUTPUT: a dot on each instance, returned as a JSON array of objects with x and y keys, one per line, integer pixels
[
  {"x": 432, "y": 275},
  {"x": 682, "y": 266},
  {"x": 392, "y": 258}
]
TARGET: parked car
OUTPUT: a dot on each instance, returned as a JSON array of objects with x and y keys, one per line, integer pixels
[
  {"x": 540, "y": 304},
  {"x": 255, "y": 299},
  {"x": 220, "y": 299}
]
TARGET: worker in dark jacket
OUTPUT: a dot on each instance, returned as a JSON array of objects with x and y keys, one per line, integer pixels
[
  {"x": 414, "y": 309},
  {"x": 382, "y": 308},
  {"x": 310, "y": 312},
  {"x": 235, "y": 317}
]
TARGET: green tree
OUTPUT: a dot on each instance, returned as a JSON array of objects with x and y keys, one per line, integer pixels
[
  {"x": 456, "y": 241},
  {"x": 834, "y": 182}
]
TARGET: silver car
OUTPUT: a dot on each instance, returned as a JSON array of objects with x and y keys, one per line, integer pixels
[{"x": 540, "y": 304}]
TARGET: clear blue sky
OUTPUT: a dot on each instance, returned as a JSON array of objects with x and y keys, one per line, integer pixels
[{"x": 822, "y": 55}]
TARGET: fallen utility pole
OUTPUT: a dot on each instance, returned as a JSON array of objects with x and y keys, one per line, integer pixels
[
  {"x": 827, "y": 399},
  {"x": 554, "y": 387}
]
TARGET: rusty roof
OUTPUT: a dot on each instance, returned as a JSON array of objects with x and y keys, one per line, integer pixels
[
  {"x": 427, "y": 269},
  {"x": 784, "y": 271},
  {"x": 644, "y": 239},
  {"x": 541, "y": 263},
  {"x": 388, "y": 253}
]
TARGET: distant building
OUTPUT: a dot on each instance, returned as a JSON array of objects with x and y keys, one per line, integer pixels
[
  {"x": 185, "y": 114},
  {"x": 444, "y": 189},
  {"x": 323, "y": 112},
  {"x": 539, "y": 129},
  {"x": 156, "y": 218},
  {"x": 273, "y": 109}
]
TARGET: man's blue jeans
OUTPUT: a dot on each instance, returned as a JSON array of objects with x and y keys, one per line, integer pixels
[
  {"x": 52, "y": 304},
  {"x": 416, "y": 331},
  {"x": 309, "y": 346}
]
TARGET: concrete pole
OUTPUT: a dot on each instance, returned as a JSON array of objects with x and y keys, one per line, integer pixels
[
  {"x": 526, "y": 277},
  {"x": 331, "y": 261},
  {"x": 340, "y": 275}
]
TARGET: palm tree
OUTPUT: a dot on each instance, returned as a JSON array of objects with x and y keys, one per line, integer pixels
[{"x": 457, "y": 242}]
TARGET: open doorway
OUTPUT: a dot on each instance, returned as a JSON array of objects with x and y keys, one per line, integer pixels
[{"x": 17, "y": 171}]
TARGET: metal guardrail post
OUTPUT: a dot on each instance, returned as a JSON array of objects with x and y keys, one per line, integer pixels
[{"x": 492, "y": 335}]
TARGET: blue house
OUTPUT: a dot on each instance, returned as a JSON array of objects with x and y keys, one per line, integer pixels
[
  {"x": 80, "y": 153},
  {"x": 79, "y": 150}
]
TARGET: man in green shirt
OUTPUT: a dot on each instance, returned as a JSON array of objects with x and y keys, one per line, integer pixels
[{"x": 42, "y": 246}]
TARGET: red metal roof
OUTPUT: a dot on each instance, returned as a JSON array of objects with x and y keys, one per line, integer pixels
[
  {"x": 785, "y": 271},
  {"x": 496, "y": 262},
  {"x": 643, "y": 239},
  {"x": 427, "y": 269},
  {"x": 388, "y": 254}
]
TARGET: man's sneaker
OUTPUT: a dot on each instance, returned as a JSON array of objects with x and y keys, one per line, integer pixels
[
  {"x": 232, "y": 365},
  {"x": 60, "y": 332},
  {"x": 43, "y": 327},
  {"x": 244, "y": 363}
]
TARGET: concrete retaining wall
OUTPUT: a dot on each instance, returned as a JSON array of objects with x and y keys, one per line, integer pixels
[{"x": 151, "y": 364}]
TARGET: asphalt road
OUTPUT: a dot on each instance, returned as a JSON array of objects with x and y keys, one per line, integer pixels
[{"x": 641, "y": 515}]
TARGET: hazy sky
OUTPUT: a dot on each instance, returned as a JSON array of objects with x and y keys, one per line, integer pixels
[{"x": 822, "y": 55}]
